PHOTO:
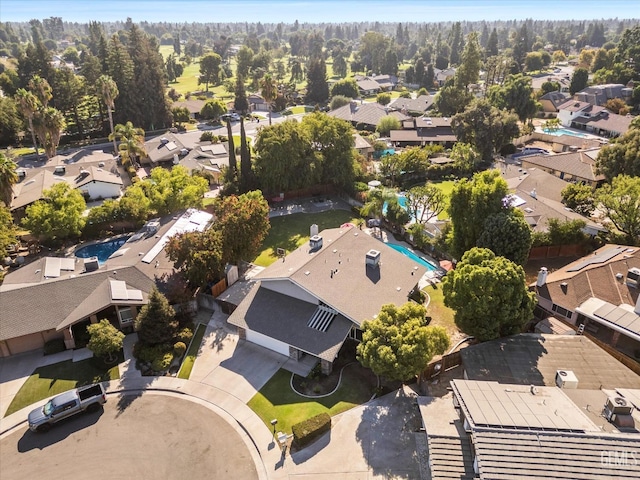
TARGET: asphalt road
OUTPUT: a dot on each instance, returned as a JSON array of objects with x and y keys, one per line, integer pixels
[{"x": 154, "y": 437}]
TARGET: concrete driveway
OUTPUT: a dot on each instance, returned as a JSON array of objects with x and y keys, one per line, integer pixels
[{"x": 157, "y": 436}]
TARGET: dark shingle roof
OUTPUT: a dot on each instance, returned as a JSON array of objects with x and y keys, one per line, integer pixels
[
  {"x": 580, "y": 164},
  {"x": 365, "y": 113}
]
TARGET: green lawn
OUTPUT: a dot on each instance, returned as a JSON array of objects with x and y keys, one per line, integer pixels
[
  {"x": 192, "y": 353},
  {"x": 19, "y": 152},
  {"x": 291, "y": 231},
  {"x": 440, "y": 314},
  {"x": 57, "y": 378},
  {"x": 446, "y": 187},
  {"x": 277, "y": 400}
]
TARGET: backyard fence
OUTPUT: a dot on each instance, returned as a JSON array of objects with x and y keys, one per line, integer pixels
[
  {"x": 554, "y": 251},
  {"x": 436, "y": 367}
]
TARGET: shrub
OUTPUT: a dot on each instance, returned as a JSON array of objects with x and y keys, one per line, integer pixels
[
  {"x": 508, "y": 149},
  {"x": 206, "y": 137},
  {"x": 54, "y": 346},
  {"x": 179, "y": 348},
  {"x": 308, "y": 430},
  {"x": 162, "y": 362},
  {"x": 184, "y": 335}
]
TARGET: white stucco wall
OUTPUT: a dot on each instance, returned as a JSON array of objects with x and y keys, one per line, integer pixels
[{"x": 101, "y": 190}]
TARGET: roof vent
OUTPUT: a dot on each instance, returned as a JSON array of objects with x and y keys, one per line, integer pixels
[
  {"x": 164, "y": 141},
  {"x": 60, "y": 170},
  {"x": 566, "y": 379},
  {"x": 372, "y": 258},
  {"x": 21, "y": 173},
  {"x": 315, "y": 243}
]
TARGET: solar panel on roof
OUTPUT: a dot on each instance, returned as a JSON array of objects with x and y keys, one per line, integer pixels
[
  {"x": 118, "y": 290},
  {"x": 595, "y": 259}
]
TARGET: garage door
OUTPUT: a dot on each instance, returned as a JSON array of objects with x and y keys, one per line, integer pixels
[
  {"x": 268, "y": 342},
  {"x": 25, "y": 343}
]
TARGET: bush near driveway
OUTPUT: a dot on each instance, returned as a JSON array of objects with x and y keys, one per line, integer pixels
[{"x": 309, "y": 430}]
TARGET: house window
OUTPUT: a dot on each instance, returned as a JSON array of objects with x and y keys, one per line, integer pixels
[
  {"x": 126, "y": 315},
  {"x": 562, "y": 311},
  {"x": 356, "y": 334}
]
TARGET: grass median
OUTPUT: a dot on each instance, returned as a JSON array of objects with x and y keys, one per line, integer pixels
[{"x": 192, "y": 353}]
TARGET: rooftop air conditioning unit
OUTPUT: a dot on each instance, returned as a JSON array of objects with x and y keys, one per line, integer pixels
[
  {"x": 618, "y": 406},
  {"x": 315, "y": 243},
  {"x": 633, "y": 277},
  {"x": 566, "y": 379},
  {"x": 91, "y": 264}
]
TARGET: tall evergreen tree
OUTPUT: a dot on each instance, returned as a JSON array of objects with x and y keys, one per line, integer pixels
[
  {"x": 122, "y": 72},
  {"x": 246, "y": 174},
  {"x": 233, "y": 163},
  {"x": 317, "y": 86},
  {"x": 240, "y": 103}
]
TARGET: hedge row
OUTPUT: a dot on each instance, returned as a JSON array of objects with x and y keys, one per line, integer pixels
[{"x": 307, "y": 431}]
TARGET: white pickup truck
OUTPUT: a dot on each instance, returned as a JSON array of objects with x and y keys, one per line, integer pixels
[{"x": 83, "y": 399}]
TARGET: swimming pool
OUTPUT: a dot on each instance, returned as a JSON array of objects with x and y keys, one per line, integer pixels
[
  {"x": 409, "y": 253},
  {"x": 103, "y": 250},
  {"x": 564, "y": 131}
]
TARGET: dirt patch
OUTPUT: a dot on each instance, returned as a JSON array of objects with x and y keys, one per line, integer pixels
[
  {"x": 439, "y": 385},
  {"x": 532, "y": 267}
]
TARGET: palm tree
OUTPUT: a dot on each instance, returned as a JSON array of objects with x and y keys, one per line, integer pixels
[
  {"x": 269, "y": 91},
  {"x": 8, "y": 177},
  {"x": 108, "y": 91},
  {"x": 28, "y": 104},
  {"x": 49, "y": 124},
  {"x": 376, "y": 199},
  {"x": 131, "y": 140},
  {"x": 41, "y": 89}
]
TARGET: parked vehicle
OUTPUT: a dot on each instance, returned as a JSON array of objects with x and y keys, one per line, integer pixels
[
  {"x": 67, "y": 404},
  {"x": 234, "y": 117}
]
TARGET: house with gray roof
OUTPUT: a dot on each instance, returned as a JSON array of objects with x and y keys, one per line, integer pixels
[
  {"x": 367, "y": 86},
  {"x": 365, "y": 115},
  {"x": 535, "y": 406},
  {"x": 193, "y": 105},
  {"x": 309, "y": 302},
  {"x": 593, "y": 119},
  {"x": 416, "y": 106},
  {"x": 165, "y": 148},
  {"x": 600, "y": 94},
  {"x": 421, "y": 131},
  {"x": 58, "y": 297},
  {"x": 552, "y": 100}
]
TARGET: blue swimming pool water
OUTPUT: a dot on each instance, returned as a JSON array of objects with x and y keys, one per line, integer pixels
[
  {"x": 564, "y": 131},
  {"x": 408, "y": 253},
  {"x": 102, "y": 250}
]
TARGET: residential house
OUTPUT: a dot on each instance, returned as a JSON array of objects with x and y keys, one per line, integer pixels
[
  {"x": 307, "y": 304},
  {"x": 561, "y": 406},
  {"x": 94, "y": 180},
  {"x": 537, "y": 194},
  {"x": 165, "y": 148},
  {"x": 257, "y": 103},
  {"x": 194, "y": 105},
  {"x": 593, "y": 119},
  {"x": 423, "y": 131},
  {"x": 442, "y": 76},
  {"x": 563, "y": 80},
  {"x": 365, "y": 115},
  {"x": 571, "y": 143},
  {"x": 57, "y": 297},
  {"x": 207, "y": 157},
  {"x": 363, "y": 147},
  {"x": 599, "y": 291},
  {"x": 58, "y": 62},
  {"x": 577, "y": 166},
  {"x": 413, "y": 106},
  {"x": 367, "y": 86},
  {"x": 600, "y": 94},
  {"x": 552, "y": 100},
  {"x": 387, "y": 82}
]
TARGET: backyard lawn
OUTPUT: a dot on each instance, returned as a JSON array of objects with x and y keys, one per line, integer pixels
[
  {"x": 445, "y": 187},
  {"x": 441, "y": 315},
  {"x": 277, "y": 400},
  {"x": 291, "y": 231},
  {"x": 57, "y": 378}
]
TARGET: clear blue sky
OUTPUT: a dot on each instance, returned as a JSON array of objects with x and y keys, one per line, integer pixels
[{"x": 315, "y": 11}]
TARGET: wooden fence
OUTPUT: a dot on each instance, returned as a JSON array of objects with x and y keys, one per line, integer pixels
[
  {"x": 438, "y": 366},
  {"x": 554, "y": 251},
  {"x": 628, "y": 362}
]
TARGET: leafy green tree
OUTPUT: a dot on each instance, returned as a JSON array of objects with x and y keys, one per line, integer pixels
[
  {"x": 469, "y": 70},
  {"x": 373, "y": 47},
  {"x": 41, "y": 89},
  {"x": 131, "y": 141},
  {"x": 209, "y": 69},
  {"x": 69, "y": 91},
  {"x": 213, "y": 109},
  {"x": 396, "y": 214},
  {"x": 579, "y": 80},
  {"x": 628, "y": 49},
  {"x": 386, "y": 124},
  {"x": 108, "y": 91},
  {"x": 156, "y": 322},
  {"x": 134, "y": 205},
  {"x": 346, "y": 87},
  {"x": 549, "y": 86},
  {"x": 340, "y": 66},
  {"x": 471, "y": 203},
  {"x": 8, "y": 231},
  {"x": 8, "y": 178},
  {"x": 58, "y": 215},
  {"x": 244, "y": 59},
  {"x": 180, "y": 115},
  {"x": 398, "y": 344},
  {"x": 567, "y": 232},
  {"x": 620, "y": 201},
  {"x": 338, "y": 101},
  {"x": 198, "y": 255},
  {"x": 507, "y": 234},
  {"x": 317, "y": 86},
  {"x": 492, "y": 44},
  {"x": 485, "y": 127},
  {"x": 244, "y": 223},
  {"x": 49, "y": 124},
  {"x": 489, "y": 295},
  {"x": 375, "y": 201},
  {"x": 465, "y": 157},
  {"x": 451, "y": 100},
  {"x": 621, "y": 155},
  {"x": 10, "y": 121},
  {"x": 516, "y": 94},
  {"x": 105, "y": 340},
  {"x": 170, "y": 191},
  {"x": 425, "y": 202},
  {"x": 240, "y": 102},
  {"x": 579, "y": 198},
  {"x": 383, "y": 98},
  {"x": 533, "y": 62}
]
